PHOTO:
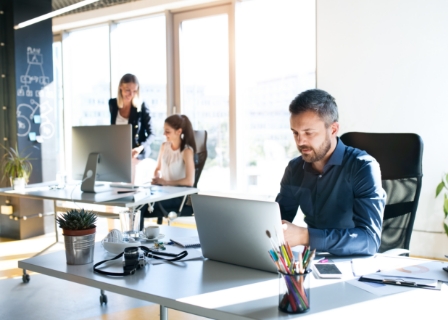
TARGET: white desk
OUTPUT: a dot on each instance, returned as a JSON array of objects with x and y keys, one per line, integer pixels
[
  {"x": 44, "y": 191},
  {"x": 223, "y": 291},
  {"x": 73, "y": 193}
]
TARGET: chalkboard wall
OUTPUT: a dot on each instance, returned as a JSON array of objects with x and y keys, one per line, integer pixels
[{"x": 30, "y": 101}]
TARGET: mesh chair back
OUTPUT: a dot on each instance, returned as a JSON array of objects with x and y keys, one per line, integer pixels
[
  {"x": 400, "y": 158},
  {"x": 200, "y": 137}
]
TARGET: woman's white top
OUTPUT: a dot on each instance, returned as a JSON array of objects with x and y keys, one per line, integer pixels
[
  {"x": 121, "y": 120},
  {"x": 173, "y": 165}
]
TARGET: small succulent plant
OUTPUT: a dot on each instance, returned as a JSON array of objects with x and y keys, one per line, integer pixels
[{"x": 77, "y": 219}]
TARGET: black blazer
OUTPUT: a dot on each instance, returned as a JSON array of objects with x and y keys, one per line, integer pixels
[{"x": 141, "y": 126}]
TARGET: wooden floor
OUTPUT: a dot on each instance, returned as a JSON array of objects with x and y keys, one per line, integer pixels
[{"x": 48, "y": 298}]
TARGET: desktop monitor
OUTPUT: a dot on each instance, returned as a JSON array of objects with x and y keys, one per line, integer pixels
[{"x": 101, "y": 153}]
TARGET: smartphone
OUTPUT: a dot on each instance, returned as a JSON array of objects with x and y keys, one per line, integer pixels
[{"x": 327, "y": 270}]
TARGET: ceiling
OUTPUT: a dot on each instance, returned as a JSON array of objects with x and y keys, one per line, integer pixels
[{"x": 58, "y": 4}]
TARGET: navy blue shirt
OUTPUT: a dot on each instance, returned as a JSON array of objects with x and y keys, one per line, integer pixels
[{"x": 343, "y": 206}]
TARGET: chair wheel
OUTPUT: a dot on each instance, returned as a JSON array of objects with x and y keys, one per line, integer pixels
[
  {"x": 103, "y": 299},
  {"x": 26, "y": 278}
]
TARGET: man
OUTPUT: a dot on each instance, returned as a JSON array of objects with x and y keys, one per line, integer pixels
[{"x": 338, "y": 188}]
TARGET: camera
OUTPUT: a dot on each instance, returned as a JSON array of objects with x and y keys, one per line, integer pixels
[{"x": 133, "y": 260}]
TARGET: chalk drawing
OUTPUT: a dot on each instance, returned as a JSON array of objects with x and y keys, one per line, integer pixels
[
  {"x": 25, "y": 114},
  {"x": 35, "y": 66}
]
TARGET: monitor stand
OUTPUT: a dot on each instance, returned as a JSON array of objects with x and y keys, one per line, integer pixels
[{"x": 89, "y": 178}]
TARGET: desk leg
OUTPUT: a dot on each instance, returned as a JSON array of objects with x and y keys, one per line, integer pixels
[
  {"x": 163, "y": 313},
  {"x": 55, "y": 223}
]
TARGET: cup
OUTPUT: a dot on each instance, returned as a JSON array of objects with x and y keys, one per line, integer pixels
[
  {"x": 61, "y": 179},
  {"x": 130, "y": 222},
  {"x": 294, "y": 294},
  {"x": 152, "y": 232}
]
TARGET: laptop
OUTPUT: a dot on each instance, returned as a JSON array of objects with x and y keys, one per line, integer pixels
[{"x": 234, "y": 230}]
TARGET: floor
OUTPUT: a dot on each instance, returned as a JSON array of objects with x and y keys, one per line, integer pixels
[{"x": 48, "y": 298}]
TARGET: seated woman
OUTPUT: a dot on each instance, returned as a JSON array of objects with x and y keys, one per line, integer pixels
[{"x": 175, "y": 165}]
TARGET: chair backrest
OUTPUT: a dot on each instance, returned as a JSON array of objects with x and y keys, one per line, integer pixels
[
  {"x": 200, "y": 137},
  {"x": 400, "y": 158}
]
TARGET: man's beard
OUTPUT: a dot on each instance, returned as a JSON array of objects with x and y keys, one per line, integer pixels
[{"x": 316, "y": 155}]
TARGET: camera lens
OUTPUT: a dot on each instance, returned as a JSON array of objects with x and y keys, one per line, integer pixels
[{"x": 131, "y": 253}]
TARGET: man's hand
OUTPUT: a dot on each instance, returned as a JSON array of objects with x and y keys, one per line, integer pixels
[{"x": 295, "y": 235}]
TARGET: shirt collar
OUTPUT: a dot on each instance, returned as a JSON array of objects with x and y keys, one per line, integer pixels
[
  {"x": 335, "y": 159},
  {"x": 338, "y": 154}
]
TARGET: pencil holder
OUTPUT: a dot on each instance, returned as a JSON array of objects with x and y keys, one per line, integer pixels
[{"x": 294, "y": 294}]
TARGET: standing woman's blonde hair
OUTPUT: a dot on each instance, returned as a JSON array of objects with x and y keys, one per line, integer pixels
[{"x": 129, "y": 78}]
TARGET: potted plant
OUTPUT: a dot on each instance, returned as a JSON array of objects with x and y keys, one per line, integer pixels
[
  {"x": 441, "y": 186},
  {"x": 16, "y": 167},
  {"x": 78, "y": 228}
]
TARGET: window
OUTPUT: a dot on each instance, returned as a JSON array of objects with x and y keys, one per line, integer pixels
[
  {"x": 276, "y": 60},
  {"x": 87, "y": 76},
  {"x": 144, "y": 55},
  {"x": 204, "y": 89}
]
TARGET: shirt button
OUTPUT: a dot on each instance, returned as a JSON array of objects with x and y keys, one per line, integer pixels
[
  {"x": 320, "y": 176},
  {"x": 136, "y": 126},
  {"x": 136, "y": 135}
]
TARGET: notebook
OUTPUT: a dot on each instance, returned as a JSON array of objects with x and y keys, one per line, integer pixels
[
  {"x": 234, "y": 230},
  {"x": 187, "y": 242}
]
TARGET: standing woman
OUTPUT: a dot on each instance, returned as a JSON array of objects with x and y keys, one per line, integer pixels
[
  {"x": 175, "y": 165},
  {"x": 128, "y": 108}
]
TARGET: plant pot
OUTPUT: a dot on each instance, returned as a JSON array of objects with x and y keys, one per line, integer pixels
[
  {"x": 18, "y": 184},
  {"x": 79, "y": 245}
]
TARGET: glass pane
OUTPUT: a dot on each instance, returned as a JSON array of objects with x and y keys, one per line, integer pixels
[
  {"x": 87, "y": 76},
  {"x": 51, "y": 125},
  {"x": 145, "y": 57},
  {"x": 59, "y": 106},
  {"x": 205, "y": 92},
  {"x": 276, "y": 60}
]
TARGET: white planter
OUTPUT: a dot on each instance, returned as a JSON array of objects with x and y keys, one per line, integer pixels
[{"x": 19, "y": 184}]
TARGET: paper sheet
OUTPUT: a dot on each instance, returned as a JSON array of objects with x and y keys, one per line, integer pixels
[
  {"x": 422, "y": 270},
  {"x": 378, "y": 288},
  {"x": 192, "y": 254}
]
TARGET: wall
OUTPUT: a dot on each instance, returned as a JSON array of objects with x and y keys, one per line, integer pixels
[
  {"x": 386, "y": 63},
  {"x": 29, "y": 73}
]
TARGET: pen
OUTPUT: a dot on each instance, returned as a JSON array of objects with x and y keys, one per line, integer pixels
[
  {"x": 300, "y": 263},
  {"x": 305, "y": 256},
  {"x": 285, "y": 256},
  {"x": 310, "y": 258},
  {"x": 288, "y": 249},
  {"x": 399, "y": 282}
]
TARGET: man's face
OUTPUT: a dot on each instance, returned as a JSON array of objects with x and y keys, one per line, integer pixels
[{"x": 313, "y": 139}]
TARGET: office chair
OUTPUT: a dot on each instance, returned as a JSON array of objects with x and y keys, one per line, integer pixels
[
  {"x": 400, "y": 158},
  {"x": 185, "y": 208}
]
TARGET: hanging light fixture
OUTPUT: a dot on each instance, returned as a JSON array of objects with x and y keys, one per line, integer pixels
[{"x": 54, "y": 13}]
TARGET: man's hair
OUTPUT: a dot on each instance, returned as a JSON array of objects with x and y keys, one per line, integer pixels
[{"x": 318, "y": 101}]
